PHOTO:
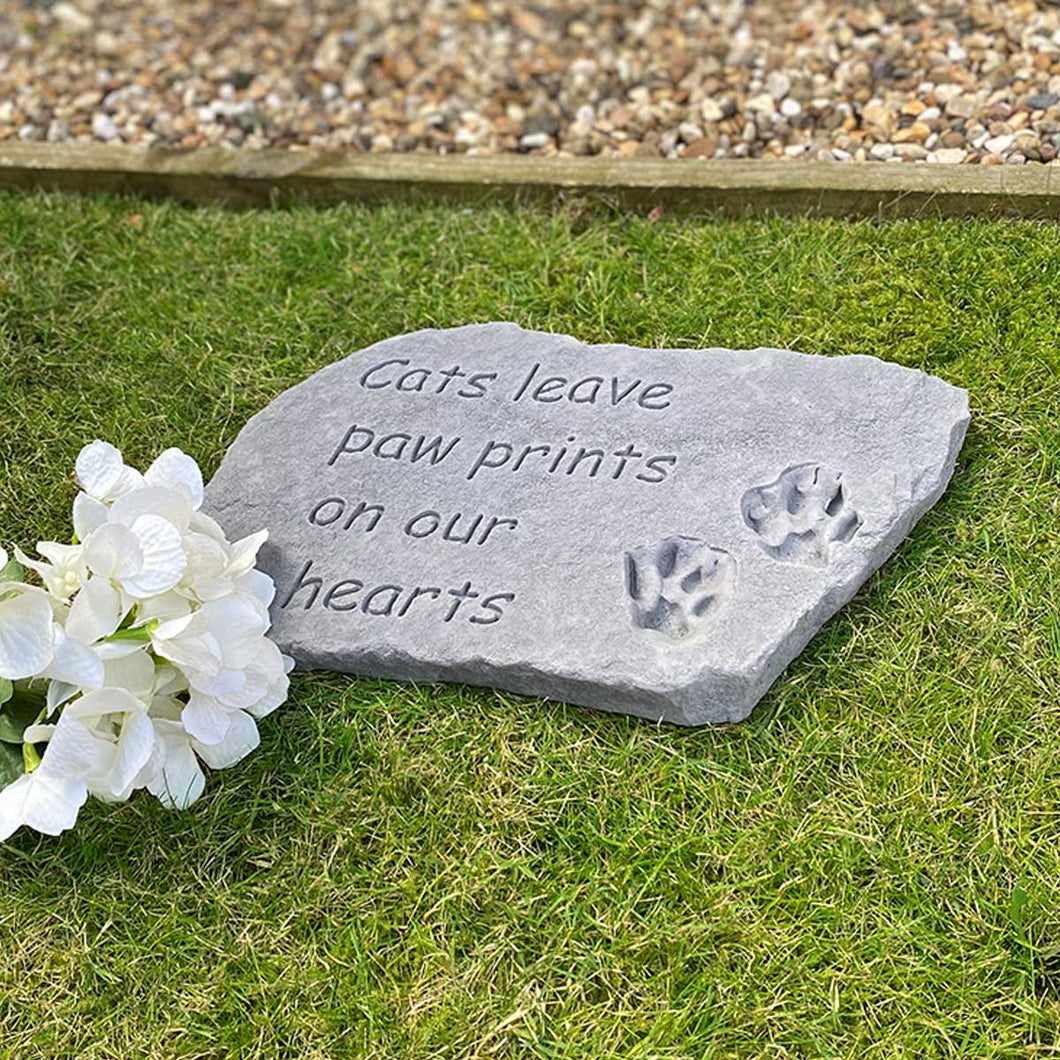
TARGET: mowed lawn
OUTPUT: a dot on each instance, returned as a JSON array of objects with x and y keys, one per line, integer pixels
[{"x": 869, "y": 867}]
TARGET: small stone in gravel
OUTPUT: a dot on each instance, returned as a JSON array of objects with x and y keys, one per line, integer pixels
[
  {"x": 1041, "y": 100},
  {"x": 71, "y": 17},
  {"x": 703, "y": 148},
  {"x": 960, "y": 107},
  {"x": 711, "y": 110},
  {"x": 763, "y": 102},
  {"x": 778, "y": 84},
  {"x": 918, "y": 132},
  {"x": 950, "y": 155},
  {"x": 103, "y": 128},
  {"x": 535, "y": 139},
  {"x": 998, "y": 145}
]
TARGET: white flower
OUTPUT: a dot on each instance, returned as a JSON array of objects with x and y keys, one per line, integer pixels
[
  {"x": 151, "y": 633},
  {"x": 139, "y": 547},
  {"x": 217, "y": 567},
  {"x": 104, "y": 477},
  {"x": 229, "y": 663},
  {"x": 61, "y": 573},
  {"x": 49, "y": 798},
  {"x": 178, "y": 779},
  {"x": 123, "y": 738}
]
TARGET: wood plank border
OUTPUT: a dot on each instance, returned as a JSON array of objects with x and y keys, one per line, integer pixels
[{"x": 245, "y": 178}]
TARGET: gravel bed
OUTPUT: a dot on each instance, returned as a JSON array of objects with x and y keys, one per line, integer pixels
[{"x": 900, "y": 81}]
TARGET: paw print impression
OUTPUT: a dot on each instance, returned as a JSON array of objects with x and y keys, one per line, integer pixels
[
  {"x": 679, "y": 585},
  {"x": 800, "y": 516}
]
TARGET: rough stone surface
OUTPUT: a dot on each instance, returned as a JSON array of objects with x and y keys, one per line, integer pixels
[{"x": 658, "y": 532}]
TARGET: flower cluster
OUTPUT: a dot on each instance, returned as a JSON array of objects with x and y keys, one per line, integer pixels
[{"x": 142, "y": 653}]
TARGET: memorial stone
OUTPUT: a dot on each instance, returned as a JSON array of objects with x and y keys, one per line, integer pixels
[{"x": 657, "y": 532}]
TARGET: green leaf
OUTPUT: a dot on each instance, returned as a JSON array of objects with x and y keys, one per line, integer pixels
[
  {"x": 22, "y": 709},
  {"x": 7, "y": 690},
  {"x": 11, "y": 767},
  {"x": 30, "y": 758},
  {"x": 13, "y": 572},
  {"x": 140, "y": 635}
]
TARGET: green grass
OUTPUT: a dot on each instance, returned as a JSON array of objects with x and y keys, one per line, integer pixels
[{"x": 869, "y": 867}]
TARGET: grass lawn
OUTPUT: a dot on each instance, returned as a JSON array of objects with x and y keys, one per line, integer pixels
[{"x": 869, "y": 867}]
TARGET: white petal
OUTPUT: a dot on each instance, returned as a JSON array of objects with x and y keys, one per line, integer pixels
[
  {"x": 74, "y": 663},
  {"x": 60, "y": 555},
  {"x": 102, "y": 703},
  {"x": 130, "y": 480},
  {"x": 189, "y": 644},
  {"x": 13, "y": 801},
  {"x": 89, "y": 516},
  {"x": 35, "y": 733},
  {"x": 114, "y": 552},
  {"x": 164, "y": 607},
  {"x": 3, "y": 557},
  {"x": 135, "y": 744},
  {"x": 165, "y": 715},
  {"x": 152, "y": 500},
  {"x": 201, "y": 523},
  {"x": 58, "y": 693},
  {"x": 206, "y": 720},
  {"x": 176, "y": 470},
  {"x": 274, "y": 697},
  {"x": 96, "y": 612},
  {"x": 169, "y": 681},
  {"x": 99, "y": 468},
  {"x": 171, "y": 629},
  {"x": 71, "y": 751},
  {"x": 239, "y": 623},
  {"x": 47, "y": 804},
  {"x": 45, "y": 570},
  {"x": 245, "y": 552},
  {"x": 180, "y": 781},
  {"x": 164, "y": 561},
  {"x": 241, "y": 739},
  {"x": 27, "y": 643},
  {"x": 134, "y": 672},
  {"x": 258, "y": 584},
  {"x": 225, "y": 683},
  {"x": 154, "y": 764}
]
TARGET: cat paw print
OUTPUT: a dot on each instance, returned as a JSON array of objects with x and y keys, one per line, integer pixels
[
  {"x": 802, "y": 515},
  {"x": 677, "y": 586}
]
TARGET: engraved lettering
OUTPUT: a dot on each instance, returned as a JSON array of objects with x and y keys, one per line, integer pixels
[
  {"x": 317, "y": 515},
  {"x": 302, "y": 582},
  {"x": 340, "y": 591}
]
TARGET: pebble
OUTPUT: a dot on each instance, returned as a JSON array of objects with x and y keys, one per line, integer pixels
[
  {"x": 103, "y": 127},
  {"x": 914, "y": 82},
  {"x": 535, "y": 139},
  {"x": 998, "y": 145},
  {"x": 711, "y": 111}
]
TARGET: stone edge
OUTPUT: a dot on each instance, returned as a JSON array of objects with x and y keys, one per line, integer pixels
[{"x": 244, "y": 178}]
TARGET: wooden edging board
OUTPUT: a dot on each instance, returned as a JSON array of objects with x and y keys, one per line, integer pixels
[{"x": 262, "y": 178}]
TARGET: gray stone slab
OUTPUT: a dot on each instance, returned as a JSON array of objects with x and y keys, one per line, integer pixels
[{"x": 657, "y": 532}]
